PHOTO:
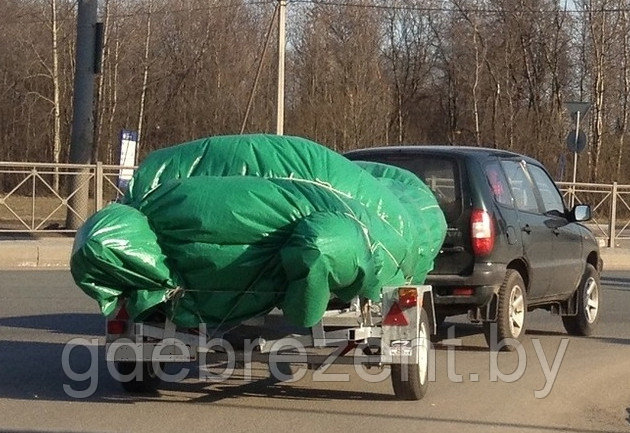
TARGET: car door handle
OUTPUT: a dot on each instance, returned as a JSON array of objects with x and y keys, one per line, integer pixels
[
  {"x": 556, "y": 232},
  {"x": 527, "y": 229}
]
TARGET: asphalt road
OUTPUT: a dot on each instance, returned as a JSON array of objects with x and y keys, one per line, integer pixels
[{"x": 41, "y": 310}]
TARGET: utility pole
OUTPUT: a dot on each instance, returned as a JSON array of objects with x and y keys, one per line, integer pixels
[
  {"x": 82, "y": 138},
  {"x": 282, "y": 41}
]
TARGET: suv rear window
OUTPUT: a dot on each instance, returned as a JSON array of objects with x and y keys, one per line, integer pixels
[{"x": 439, "y": 173}]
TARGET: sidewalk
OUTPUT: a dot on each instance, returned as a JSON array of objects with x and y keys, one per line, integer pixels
[
  {"x": 43, "y": 252},
  {"x": 54, "y": 253}
]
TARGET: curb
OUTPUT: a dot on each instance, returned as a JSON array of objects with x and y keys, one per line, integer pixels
[
  {"x": 50, "y": 253},
  {"x": 616, "y": 259}
]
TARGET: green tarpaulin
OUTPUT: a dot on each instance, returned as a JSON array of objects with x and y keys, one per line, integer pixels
[{"x": 226, "y": 228}]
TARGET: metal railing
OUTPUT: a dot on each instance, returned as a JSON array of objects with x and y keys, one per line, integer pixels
[
  {"x": 36, "y": 197},
  {"x": 610, "y": 208},
  {"x": 30, "y": 203}
]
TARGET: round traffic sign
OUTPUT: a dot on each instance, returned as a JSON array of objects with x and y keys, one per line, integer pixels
[{"x": 576, "y": 144}]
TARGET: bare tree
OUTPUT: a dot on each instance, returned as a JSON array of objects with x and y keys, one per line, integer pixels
[
  {"x": 145, "y": 72},
  {"x": 493, "y": 72},
  {"x": 624, "y": 76},
  {"x": 597, "y": 29},
  {"x": 56, "y": 79}
]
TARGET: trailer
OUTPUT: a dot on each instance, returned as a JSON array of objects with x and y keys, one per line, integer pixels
[{"x": 395, "y": 331}]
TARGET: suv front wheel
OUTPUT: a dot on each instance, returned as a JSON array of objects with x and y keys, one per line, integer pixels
[{"x": 511, "y": 310}]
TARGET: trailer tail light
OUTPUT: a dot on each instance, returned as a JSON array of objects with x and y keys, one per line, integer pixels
[
  {"x": 407, "y": 297},
  {"x": 481, "y": 232},
  {"x": 116, "y": 327},
  {"x": 118, "y": 324},
  {"x": 395, "y": 316},
  {"x": 122, "y": 314}
]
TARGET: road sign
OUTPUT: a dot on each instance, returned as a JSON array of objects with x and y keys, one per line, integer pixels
[
  {"x": 128, "y": 146},
  {"x": 574, "y": 107},
  {"x": 576, "y": 144}
]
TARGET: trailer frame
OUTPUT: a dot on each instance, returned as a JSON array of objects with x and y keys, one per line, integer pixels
[{"x": 395, "y": 331}]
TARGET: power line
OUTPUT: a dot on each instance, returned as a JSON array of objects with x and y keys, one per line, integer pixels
[
  {"x": 199, "y": 9},
  {"x": 337, "y": 3},
  {"x": 163, "y": 11}
]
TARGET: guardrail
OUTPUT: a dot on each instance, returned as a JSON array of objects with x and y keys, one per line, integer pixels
[
  {"x": 36, "y": 197},
  {"x": 30, "y": 203}
]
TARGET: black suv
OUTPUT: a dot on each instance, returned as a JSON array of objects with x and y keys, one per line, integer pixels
[{"x": 511, "y": 245}]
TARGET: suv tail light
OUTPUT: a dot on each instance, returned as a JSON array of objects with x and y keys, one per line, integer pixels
[{"x": 481, "y": 232}]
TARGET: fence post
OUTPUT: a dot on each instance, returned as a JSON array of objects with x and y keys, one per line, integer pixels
[
  {"x": 98, "y": 189},
  {"x": 613, "y": 217},
  {"x": 34, "y": 194}
]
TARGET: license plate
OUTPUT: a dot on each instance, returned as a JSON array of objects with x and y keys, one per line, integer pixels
[{"x": 401, "y": 348}]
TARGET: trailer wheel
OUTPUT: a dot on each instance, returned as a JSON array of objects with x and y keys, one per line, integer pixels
[
  {"x": 284, "y": 371},
  {"x": 411, "y": 381},
  {"x": 148, "y": 382}
]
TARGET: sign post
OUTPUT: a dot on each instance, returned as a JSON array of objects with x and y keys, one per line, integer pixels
[{"x": 576, "y": 140}]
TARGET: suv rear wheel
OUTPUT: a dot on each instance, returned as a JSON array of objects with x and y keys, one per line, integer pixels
[
  {"x": 512, "y": 307},
  {"x": 588, "y": 302}
]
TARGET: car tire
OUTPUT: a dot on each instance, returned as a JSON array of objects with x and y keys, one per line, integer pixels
[
  {"x": 147, "y": 383},
  {"x": 411, "y": 381},
  {"x": 588, "y": 301},
  {"x": 511, "y": 312},
  {"x": 283, "y": 372}
]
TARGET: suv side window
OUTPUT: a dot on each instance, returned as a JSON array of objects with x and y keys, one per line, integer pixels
[
  {"x": 552, "y": 200},
  {"x": 521, "y": 185},
  {"x": 498, "y": 184}
]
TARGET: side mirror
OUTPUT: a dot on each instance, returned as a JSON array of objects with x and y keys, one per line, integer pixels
[{"x": 581, "y": 212}]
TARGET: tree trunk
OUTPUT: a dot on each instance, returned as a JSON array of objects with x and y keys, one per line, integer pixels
[
  {"x": 598, "y": 38},
  {"x": 145, "y": 76},
  {"x": 476, "y": 86},
  {"x": 113, "y": 103},
  {"x": 100, "y": 88},
  {"x": 625, "y": 73},
  {"x": 56, "y": 79}
]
